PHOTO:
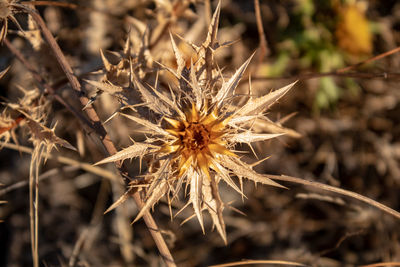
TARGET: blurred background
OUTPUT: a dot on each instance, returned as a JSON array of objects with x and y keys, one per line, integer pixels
[{"x": 345, "y": 122}]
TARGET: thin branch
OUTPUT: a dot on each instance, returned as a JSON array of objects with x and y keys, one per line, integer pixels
[
  {"x": 264, "y": 51},
  {"x": 338, "y": 191},
  {"x": 104, "y": 137},
  {"x": 309, "y": 76},
  {"x": 78, "y": 247},
  {"x": 374, "y": 58},
  {"x": 343, "y": 72},
  {"x": 382, "y": 264},
  {"x": 248, "y": 262},
  {"x": 50, "y": 3},
  {"x": 207, "y": 8}
]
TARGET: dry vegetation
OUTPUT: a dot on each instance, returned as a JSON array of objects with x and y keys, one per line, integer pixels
[{"x": 186, "y": 116}]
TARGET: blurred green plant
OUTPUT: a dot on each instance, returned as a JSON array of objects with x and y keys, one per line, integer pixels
[{"x": 324, "y": 36}]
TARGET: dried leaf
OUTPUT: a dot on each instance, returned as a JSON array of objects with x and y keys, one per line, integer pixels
[
  {"x": 230, "y": 86},
  {"x": 120, "y": 201},
  {"x": 196, "y": 182},
  {"x": 151, "y": 100},
  {"x": 4, "y": 72},
  {"x": 240, "y": 169},
  {"x": 214, "y": 206},
  {"x": 159, "y": 191},
  {"x": 147, "y": 124},
  {"x": 249, "y": 137},
  {"x": 254, "y": 105},
  {"x": 135, "y": 150}
]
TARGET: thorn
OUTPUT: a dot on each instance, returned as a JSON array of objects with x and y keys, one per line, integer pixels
[{"x": 106, "y": 63}]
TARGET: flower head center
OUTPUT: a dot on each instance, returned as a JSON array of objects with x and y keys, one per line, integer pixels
[{"x": 196, "y": 137}]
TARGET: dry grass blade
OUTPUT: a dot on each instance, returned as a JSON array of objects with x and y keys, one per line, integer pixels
[
  {"x": 338, "y": 191},
  {"x": 34, "y": 201},
  {"x": 261, "y": 35},
  {"x": 77, "y": 247},
  {"x": 382, "y": 264},
  {"x": 250, "y": 262},
  {"x": 44, "y": 140},
  {"x": 50, "y": 3},
  {"x": 2, "y": 73}
]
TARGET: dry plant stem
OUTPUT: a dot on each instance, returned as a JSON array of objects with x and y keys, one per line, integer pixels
[
  {"x": 263, "y": 43},
  {"x": 308, "y": 76},
  {"x": 78, "y": 247},
  {"x": 382, "y": 264},
  {"x": 268, "y": 262},
  {"x": 65, "y": 5},
  {"x": 385, "y": 54},
  {"x": 207, "y": 7},
  {"x": 338, "y": 191},
  {"x": 152, "y": 225},
  {"x": 34, "y": 201},
  {"x": 341, "y": 240},
  {"x": 343, "y": 71},
  {"x": 73, "y": 81},
  {"x": 50, "y": 3},
  {"x": 105, "y": 139}
]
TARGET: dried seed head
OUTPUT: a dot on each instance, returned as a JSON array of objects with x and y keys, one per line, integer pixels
[
  {"x": 191, "y": 132},
  {"x": 5, "y": 9}
]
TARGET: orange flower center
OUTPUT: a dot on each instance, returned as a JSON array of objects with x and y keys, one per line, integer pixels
[{"x": 196, "y": 138}]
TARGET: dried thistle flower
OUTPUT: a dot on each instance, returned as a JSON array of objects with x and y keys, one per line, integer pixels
[
  {"x": 7, "y": 10},
  {"x": 193, "y": 133}
]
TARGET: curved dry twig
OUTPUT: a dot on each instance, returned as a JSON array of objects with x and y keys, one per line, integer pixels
[
  {"x": 344, "y": 72},
  {"x": 382, "y": 264},
  {"x": 337, "y": 190},
  {"x": 268, "y": 262}
]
